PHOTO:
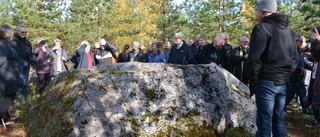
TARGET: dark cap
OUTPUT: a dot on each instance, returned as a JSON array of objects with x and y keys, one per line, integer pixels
[
  {"x": 300, "y": 37},
  {"x": 42, "y": 42},
  {"x": 126, "y": 47}
]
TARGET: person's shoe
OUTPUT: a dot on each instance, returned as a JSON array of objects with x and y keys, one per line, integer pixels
[
  {"x": 296, "y": 104},
  {"x": 8, "y": 124},
  {"x": 313, "y": 124}
]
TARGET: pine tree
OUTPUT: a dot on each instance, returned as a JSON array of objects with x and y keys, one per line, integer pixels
[
  {"x": 6, "y": 12},
  {"x": 162, "y": 8},
  {"x": 306, "y": 16},
  {"x": 124, "y": 21},
  {"x": 195, "y": 11},
  {"x": 41, "y": 17},
  {"x": 178, "y": 22},
  {"x": 247, "y": 14},
  {"x": 169, "y": 20},
  {"x": 214, "y": 16},
  {"x": 83, "y": 20}
]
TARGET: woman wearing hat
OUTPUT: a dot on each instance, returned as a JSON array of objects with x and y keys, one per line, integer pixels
[{"x": 44, "y": 65}]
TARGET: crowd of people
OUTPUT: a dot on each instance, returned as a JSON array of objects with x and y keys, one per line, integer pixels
[{"x": 278, "y": 65}]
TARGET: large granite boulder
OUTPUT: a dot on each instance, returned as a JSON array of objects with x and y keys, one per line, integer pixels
[{"x": 142, "y": 99}]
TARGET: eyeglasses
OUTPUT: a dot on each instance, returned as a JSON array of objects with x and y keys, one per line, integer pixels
[
  {"x": 23, "y": 32},
  {"x": 176, "y": 38}
]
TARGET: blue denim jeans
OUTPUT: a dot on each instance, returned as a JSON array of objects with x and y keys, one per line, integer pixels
[
  {"x": 270, "y": 101},
  {"x": 26, "y": 69}
]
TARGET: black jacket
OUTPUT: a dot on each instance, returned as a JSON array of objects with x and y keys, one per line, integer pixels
[
  {"x": 273, "y": 54},
  {"x": 104, "y": 56},
  {"x": 229, "y": 49},
  {"x": 308, "y": 62},
  {"x": 315, "y": 51},
  {"x": 123, "y": 57},
  {"x": 74, "y": 59},
  {"x": 201, "y": 55},
  {"x": 139, "y": 56},
  {"x": 24, "y": 49},
  {"x": 298, "y": 73},
  {"x": 10, "y": 70},
  {"x": 183, "y": 55},
  {"x": 194, "y": 47},
  {"x": 239, "y": 63},
  {"x": 217, "y": 56}
]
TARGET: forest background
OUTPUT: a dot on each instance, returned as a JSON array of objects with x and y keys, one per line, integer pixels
[{"x": 121, "y": 22}]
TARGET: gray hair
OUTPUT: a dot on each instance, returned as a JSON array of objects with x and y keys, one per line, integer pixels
[
  {"x": 221, "y": 35},
  {"x": 136, "y": 43},
  {"x": 21, "y": 26},
  {"x": 217, "y": 39},
  {"x": 56, "y": 41},
  {"x": 203, "y": 37},
  {"x": 6, "y": 32},
  {"x": 242, "y": 38},
  {"x": 180, "y": 35},
  {"x": 85, "y": 42},
  {"x": 226, "y": 35}
]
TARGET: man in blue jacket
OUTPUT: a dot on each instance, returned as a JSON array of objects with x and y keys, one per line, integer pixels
[{"x": 272, "y": 57}]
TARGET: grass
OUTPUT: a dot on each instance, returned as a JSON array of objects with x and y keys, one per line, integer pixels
[{"x": 296, "y": 124}]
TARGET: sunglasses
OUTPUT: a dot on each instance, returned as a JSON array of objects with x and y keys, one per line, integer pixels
[{"x": 23, "y": 32}]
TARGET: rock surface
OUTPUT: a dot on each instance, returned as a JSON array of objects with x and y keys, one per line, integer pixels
[{"x": 142, "y": 99}]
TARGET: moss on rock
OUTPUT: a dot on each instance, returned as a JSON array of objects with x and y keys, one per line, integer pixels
[{"x": 135, "y": 99}]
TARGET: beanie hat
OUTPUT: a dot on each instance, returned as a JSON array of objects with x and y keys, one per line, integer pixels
[
  {"x": 42, "y": 42},
  {"x": 126, "y": 47},
  {"x": 267, "y": 5}
]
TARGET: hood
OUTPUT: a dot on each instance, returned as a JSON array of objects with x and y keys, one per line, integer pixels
[
  {"x": 4, "y": 41},
  {"x": 279, "y": 20}
]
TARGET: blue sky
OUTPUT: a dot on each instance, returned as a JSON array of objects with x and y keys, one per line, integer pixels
[{"x": 178, "y": 1}]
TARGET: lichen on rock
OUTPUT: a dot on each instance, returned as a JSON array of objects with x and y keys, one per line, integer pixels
[{"x": 142, "y": 99}]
